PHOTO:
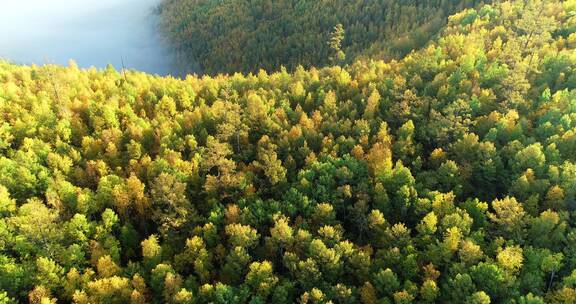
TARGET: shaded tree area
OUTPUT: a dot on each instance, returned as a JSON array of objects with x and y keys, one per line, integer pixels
[{"x": 246, "y": 36}]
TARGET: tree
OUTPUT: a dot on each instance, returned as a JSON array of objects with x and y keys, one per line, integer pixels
[
  {"x": 171, "y": 207},
  {"x": 269, "y": 162},
  {"x": 535, "y": 26},
  {"x": 282, "y": 235},
  {"x": 242, "y": 235},
  {"x": 510, "y": 258},
  {"x": 470, "y": 253},
  {"x": 151, "y": 252},
  {"x": 222, "y": 169},
  {"x": 328, "y": 259},
  {"x": 491, "y": 278},
  {"x": 107, "y": 290},
  {"x": 197, "y": 255},
  {"x": 261, "y": 278},
  {"x": 548, "y": 230},
  {"x": 236, "y": 265},
  {"x": 380, "y": 154},
  {"x": 551, "y": 264},
  {"x": 136, "y": 191},
  {"x": 429, "y": 291},
  {"x": 386, "y": 282},
  {"x": 479, "y": 297},
  {"x": 49, "y": 274},
  {"x": 428, "y": 225},
  {"x": 368, "y": 294},
  {"x": 7, "y": 204},
  {"x": 335, "y": 43},
  {"x": 509, "y": 216},
  {"x": 372, "y": 105},
  {"x": 107, "y": 267},
  {"x": 404, "y": 147},
  {"x": 4, "y": 299},
  {"x": 37, "y": 225},
  {"x": 313, "y": 296},
  {"x": 40, "y": 295}
]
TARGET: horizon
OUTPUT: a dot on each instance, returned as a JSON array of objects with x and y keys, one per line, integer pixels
[{"x": 92, "y": 33}]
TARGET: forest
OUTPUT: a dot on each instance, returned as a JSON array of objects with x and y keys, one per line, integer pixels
[
  {"x": 246, "y": 36},
  {"x": 446, "y": 176}
]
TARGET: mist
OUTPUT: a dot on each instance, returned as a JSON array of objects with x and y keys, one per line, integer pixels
[{"x": 91, "y": 32}]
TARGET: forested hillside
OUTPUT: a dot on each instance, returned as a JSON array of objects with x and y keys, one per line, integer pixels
[
  {"x": 448, "y": 176},
  {"x": 245, "y": 36}
]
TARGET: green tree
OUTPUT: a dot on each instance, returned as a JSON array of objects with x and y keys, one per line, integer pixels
[
  {"x": 261, "y": 278},
  {"x": 335, "y": 43}
]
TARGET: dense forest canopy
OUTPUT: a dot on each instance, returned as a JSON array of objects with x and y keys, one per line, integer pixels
[
  {"x": 448, "y": 176},
  {"x": 245, "y": 36}
]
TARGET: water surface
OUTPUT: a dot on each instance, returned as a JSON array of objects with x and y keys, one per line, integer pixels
[{"x": 91, "y": 32}]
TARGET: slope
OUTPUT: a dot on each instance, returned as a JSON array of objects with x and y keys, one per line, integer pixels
[{"x": 245, "y": 36}]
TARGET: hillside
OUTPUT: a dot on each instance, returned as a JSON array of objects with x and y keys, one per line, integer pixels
[
  {"x": 448, "y": 176},
  {"x": 246, "y": 36}
]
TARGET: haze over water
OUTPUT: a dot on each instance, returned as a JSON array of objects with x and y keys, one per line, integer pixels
[{"x": 91, "y": 32}]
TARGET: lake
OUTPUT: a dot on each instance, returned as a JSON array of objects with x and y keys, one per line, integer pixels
[{"x": 91, "y": 32}]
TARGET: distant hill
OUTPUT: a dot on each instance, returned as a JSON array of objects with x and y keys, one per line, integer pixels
[{"x": 245, "y": 36}]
